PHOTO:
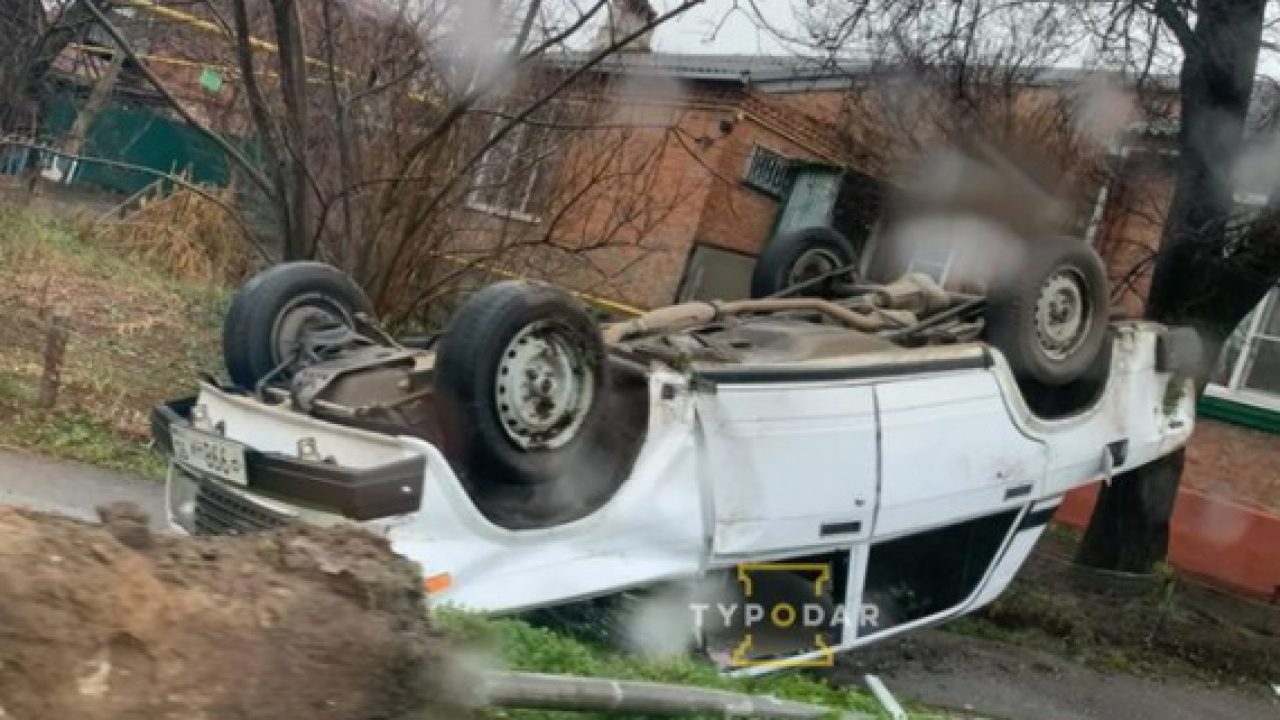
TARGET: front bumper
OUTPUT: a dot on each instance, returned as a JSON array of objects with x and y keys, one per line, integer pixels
[{"x": 367, "y": 493}]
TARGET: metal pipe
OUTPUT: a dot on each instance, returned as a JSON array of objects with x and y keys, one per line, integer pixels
[
  {"x": 814, "y": 281},
  {"x": 672, "y": 317},
  {"x": 678, "y": 317},
  {"x": 839, "y": 313},
  {"x": 975, "y": 303},
  {"x": 536, "y": 691}
]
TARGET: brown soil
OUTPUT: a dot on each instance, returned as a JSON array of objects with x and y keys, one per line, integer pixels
[
  {"x": 1069, "y": 644},
  {"x": 112, "y": 622}
]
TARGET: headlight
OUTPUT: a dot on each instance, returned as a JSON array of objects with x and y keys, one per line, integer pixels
[{"x": 180, "y": 494}]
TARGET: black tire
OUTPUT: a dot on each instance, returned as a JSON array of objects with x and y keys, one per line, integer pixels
[
  {"x": 251, "y": 333},
  {"x": 777, "y": 267},
  {"x": 472, "y": 352},
  {"x": 1054, "y": 402},
  {"x": 1017, "y": 299}
]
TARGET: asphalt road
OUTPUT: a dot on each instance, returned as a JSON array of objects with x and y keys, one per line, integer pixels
[
  {"x": 979, "y": 677},
  {"x": 40, "y": 483},
  {"x": 999, "y": 680}
]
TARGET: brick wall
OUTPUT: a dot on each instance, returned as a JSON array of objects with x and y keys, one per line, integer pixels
[
  {"x": 1132, "y": 222},
  {"x": 696, "y": 192},
  {"x": 623, "y": 210},
  {"x": 738, "y": 217}
]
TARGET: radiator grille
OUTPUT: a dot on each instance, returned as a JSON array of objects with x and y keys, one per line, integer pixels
[{"x": 219, "y": 511}]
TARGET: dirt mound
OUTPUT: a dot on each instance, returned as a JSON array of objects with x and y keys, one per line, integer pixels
[{"x": 111, "y": 622}]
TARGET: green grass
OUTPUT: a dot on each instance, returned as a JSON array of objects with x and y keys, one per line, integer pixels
[
  {"x": 139, "y": 336},
  {"x": 76, "y": 435},
  {"x": 519, "y": 646}
]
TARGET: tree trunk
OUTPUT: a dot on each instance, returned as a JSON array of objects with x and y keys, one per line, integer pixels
[
  {"x": 293, "y": 88},
  {"x": 74, "y": 142},
  {"x": 1195, "y": 281},
  {"x": 1129, "y": 531}
]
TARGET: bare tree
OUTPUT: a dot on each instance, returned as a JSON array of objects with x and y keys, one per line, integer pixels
[
  {"x": 375, "y": 132},
  {"x": 1209, "y": 272}
]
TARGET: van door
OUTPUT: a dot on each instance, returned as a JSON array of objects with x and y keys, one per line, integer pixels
[
  {"x": 957, "y": 475},
  {"x": 951, "y": 451},
  {"x": 791, "y": 466}
]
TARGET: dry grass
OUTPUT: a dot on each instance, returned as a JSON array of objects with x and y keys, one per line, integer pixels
[
  {"x": 182, "y": 233},
  {"x": 138, "y": 336}
]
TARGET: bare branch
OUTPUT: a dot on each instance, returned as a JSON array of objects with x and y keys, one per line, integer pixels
[
  {"x": 1176, "y": 21},
  {"x": 496, "y": 137}
]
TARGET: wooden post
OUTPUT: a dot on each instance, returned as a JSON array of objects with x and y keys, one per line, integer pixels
[{"x": 55, "y": 348}]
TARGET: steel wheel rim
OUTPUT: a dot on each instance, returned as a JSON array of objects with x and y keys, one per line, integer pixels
[
  {"x": 542, "y": 388},
  {"x": 303, "y": 314},
  {"x": 1063, "y": 314},
  {"x": 811, "y": 264}
]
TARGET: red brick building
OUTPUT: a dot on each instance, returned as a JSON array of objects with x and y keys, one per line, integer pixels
[{"x": 720, "y": 139}]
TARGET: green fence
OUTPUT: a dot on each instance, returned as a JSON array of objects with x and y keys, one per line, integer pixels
[{"x": 138, "y": 135}]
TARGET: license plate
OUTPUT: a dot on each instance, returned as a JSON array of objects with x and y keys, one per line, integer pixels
[{"x": 209, "y": 454}]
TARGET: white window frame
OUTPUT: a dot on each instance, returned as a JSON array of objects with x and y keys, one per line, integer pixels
[
  {"x": 1234, "y": 389},
  {"x": 480, "y": 186},
  {"x": 943, "y": 273}
]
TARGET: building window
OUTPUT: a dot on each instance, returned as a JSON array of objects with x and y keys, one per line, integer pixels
[
  {"x": 716, "y": 274},
  {"x": 767, "y": 171},
  {"x": 513, "y": 176},
  {"x": 1249, "y": 368},
  {"x": 933, "y": 259}
]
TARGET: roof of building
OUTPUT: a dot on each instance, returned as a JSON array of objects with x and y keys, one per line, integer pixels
[
  {"x": 791, "y": 73},
  {"x": 764, "y": 72}
]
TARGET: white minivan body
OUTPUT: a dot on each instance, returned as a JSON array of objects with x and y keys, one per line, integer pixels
[{"x": 919, "y": 477}]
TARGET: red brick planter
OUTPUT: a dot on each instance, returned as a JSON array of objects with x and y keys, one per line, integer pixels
[{"x": 1223, "y": 542}]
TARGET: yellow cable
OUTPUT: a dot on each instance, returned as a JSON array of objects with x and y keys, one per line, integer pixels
[{"x": 193, "y": 21}]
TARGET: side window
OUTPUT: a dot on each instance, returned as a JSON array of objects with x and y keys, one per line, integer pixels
[
  {"x": 814, "y": 588},
  {"x": 514, "y": 176},
  {"x": 921, "y": 575}
]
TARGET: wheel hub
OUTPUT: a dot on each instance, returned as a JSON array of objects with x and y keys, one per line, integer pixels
[
  {"x": 811, "y": 264},
  {"x": 543, "y": 390},
  {"x": 305, "y": 314},
  {"x": 1062, "y": 314}
]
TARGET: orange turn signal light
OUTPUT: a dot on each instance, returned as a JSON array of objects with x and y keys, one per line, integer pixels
[{"x": 437, "y": 583}]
